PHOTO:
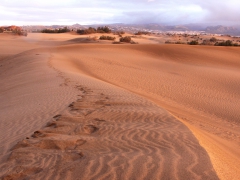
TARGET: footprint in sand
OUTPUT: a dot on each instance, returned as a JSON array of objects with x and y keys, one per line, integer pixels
[
  {"x": 37, "y": 134},
  {"x": 89, "y": 129},
  {"x": 57, "y": 116},
  {"x": 52, "y": 124}
]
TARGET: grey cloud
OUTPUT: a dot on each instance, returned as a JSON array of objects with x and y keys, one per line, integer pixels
[
  {"x": 122, "y": 11},
  {"x": 225, "y": 12}
]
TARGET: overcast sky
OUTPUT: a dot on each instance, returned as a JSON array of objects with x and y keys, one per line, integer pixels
[{"x": 68, "y": 12}]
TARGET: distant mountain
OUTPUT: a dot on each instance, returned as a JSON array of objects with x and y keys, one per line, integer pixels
[
  {"x": 223, "y": 30},
  {"x": 166, "y": 28},
  {"x": 77, "y": 26},
  {"x": 196, "y": 27},
  {"x": 160, "y": 27},
  {"x": 163, "y": 28},
  {"x": 191, "y": 27},
  {"x": 231, "y": 30}
]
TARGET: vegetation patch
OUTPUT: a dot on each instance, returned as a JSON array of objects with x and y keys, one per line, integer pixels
[
  {"x": 142, "y": 33},
  {"x": 226, "y": 43},
  {"x": 126, "y": 39},
  {"x": 61, "y": 30},
  {"x": 213, "y": 39},
  {"x": 92, "y": 30},
  {"x": 193, "y": 43},
  {"x": 107, "y": 38}
]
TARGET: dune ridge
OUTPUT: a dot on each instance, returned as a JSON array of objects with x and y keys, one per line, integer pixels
[
  {"x": 107, "y": 137},
  {"x": 201, "y": 91}
]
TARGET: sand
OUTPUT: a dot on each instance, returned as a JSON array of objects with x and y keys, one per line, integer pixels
[{"x": 75, "y": 108}]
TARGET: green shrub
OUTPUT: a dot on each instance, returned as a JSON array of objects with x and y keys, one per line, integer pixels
[
  {"x": 126, "y": 39},
  {"x": 142, "y": 33},
  {"x": 207, "y": 42},
  {"x": 104, "y": 29},
  {"x": 193, "y": 43},
  {"x": 226, "y": 43},
  {"x": 61, "y": 30},
  {"x": 92, "y": 30},
  {"x": 107, "y": 38},
  {"x": 213, "y": 39}
]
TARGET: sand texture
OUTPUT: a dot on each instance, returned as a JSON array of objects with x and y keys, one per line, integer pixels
[{"x": 74, "y": 108}]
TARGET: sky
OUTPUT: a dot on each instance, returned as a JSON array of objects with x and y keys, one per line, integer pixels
[{"x": 85, "y": 12}]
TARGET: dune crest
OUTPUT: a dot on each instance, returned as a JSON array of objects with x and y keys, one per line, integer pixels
[{"x": 198, "y": 85}]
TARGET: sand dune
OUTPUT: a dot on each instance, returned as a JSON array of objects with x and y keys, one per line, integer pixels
[
  {"x": 31, "y": 92},
  {"x": 107, "y": 137},
  {"x": 197, "y": 86},
  {"x": 101, "y": 111}
]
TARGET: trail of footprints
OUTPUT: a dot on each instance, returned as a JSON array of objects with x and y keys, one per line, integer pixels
[
  {"x": 109, "y": 138},
  {"x": 60, "y": 139}
]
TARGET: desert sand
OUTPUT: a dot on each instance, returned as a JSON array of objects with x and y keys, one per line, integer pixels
[{"x": 75, "y": 108}]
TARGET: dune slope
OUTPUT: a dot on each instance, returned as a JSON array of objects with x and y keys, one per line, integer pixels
[
  {"x": 198, "y": 85},
  {"x": 109, "y": 133},
  {"x": 31, "y": 91},
  {"x": 98, "y": 111}
]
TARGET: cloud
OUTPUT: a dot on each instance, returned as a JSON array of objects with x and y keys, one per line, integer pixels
[
  {"x": 223, "y": 12},
  {"x": 115, "y": 11}
]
